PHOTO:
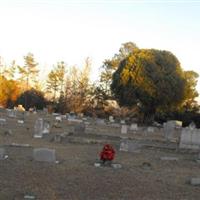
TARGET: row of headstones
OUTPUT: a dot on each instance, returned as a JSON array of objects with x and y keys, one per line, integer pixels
[
  {"x": 189, "y": 137},
  {"x": 39, "y": 154}
]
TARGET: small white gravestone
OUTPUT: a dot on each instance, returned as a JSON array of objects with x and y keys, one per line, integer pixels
[
  {"x": 124, "y": 129},
  {"x": 150, "y": 129},
  {"x": 11, "y": 113},
  {"x": 20, "y": 121},
  {"x": 2, "y": 121},
  {"x": 58, "y": 118},
  {"x": 38, "y": 128},
  {"x": 46, "y": 127},
  {"x": 29, "y": 197},
  {"x": 122, "y": 122},
  {"x": 44, "y": 155},
  {"x": 111, "y": 119},
  {"x": 116, "y": 166},
  {"x": 134, "y": 127},
  {"x": 55, "y": 114},
  {"x": 97, "y": 164},
  {"x": 192, "y": 126}
]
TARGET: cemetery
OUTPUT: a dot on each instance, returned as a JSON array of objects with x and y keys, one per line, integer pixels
[{"x": 57, "y": 157}]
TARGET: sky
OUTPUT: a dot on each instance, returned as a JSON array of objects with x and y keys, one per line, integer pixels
[{"x": 72, "y": 30}]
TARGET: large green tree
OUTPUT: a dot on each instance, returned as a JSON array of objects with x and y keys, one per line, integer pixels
[
  {"x": 110, "y": 66},
  {"x": 153, "y": 80}
]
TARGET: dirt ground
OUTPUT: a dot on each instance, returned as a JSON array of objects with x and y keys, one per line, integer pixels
[{"x": 143, "y": 176}]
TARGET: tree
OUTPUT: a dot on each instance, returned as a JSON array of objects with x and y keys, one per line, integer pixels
[
  {"x": 151, "y": 79},
  {"x": 29, "y": 72},
  {"x": 56, "y": 80},
  {"x": 190, "y": 92},
  {"x": 109, "y": 67},
  {"x": 32, "y": 98},
  {"x": 9, "y": 72},
  {"x": 9, "y": 91},
  {"x": 77, "y": 91}
]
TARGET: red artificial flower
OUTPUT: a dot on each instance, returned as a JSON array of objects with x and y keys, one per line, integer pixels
[{"x": 108, "y": 153}]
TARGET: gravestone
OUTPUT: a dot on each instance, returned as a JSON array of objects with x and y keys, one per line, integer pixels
[
  {"x": 46, "y": 127},
  {"x": 38, "y": 128},
  {"x": 2, "y": 153},
  {"x": 79, "y": 128},
  {"x": 190, "y": 139},
  {"x": 130, "y": 146},
  {"x": 170, "y": 129},
  {"x": 111, "y": 119},
  {"x": 20, "y": 121},
  {"x": 124, "y": 129},
  {"x": 122, "y": 122},
  {"x": 134, "y": 127},
  {"x": 44, "y": 155},
  {"x": 192, "y": 126},
  {"x": 11, "y": 113},
  {"x": 74, "y": 120},
  {"x": 100, "y": 121},
  {"x": 169, "y": 158},
  {"x": 58, "y": 119},
  {"x": 195, "y": 181},
  {"x": 2, "y": 121},
  {"x": 150, "y": 129}
]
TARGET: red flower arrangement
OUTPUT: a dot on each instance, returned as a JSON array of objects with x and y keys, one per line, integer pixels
[{"x": 107, "y": 154}]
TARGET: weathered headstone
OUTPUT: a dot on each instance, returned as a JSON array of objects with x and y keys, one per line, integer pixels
[
  {"x": 134, "y": 127},
  {"x": 111, "y": 119},
  {"x": 100, "y": 121},
  {"x": 38, "y": 128},
  {"x": 58, "y": 118},
  {"x": 169, "y": 158},
  {"x": 20, "y": 121},
  {"x": 150, "y": 129},
  {"x": 122, "y": 122},
  {"x": 195, "y": 181},
  {"x": 170, "y": 128},
  {"x": 130, "y": 146},
  {"x": 190, "y": 139},
  {"x": 192, "y": 126},
  {"x": 44, "y": 155},
  {"x": 74, "y": 120},
  {"x": 46, "y": 127},
  {"x": 11, "y": 113},
  {"x": 2, "y": 121},
  {"x": 116, "y": 166},
  {"x": 29, "y": 197},
  {"x": 124, "y": 129}
]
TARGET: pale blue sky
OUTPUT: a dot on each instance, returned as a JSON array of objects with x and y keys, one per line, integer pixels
[{"x": 70, "y": 30}]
